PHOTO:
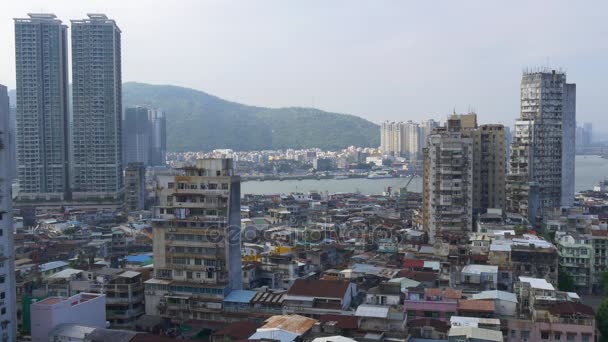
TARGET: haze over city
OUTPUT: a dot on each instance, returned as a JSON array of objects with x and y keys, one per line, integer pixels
[{"x": 387, "y": 60}]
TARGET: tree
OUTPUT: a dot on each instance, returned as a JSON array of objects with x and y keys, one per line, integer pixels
[
  {"x": 604, "y": 282},
  {"x": 565, "y": 281},
  {"x": 602, "y": 320}
]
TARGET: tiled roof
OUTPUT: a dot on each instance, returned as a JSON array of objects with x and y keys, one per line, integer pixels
[
  {"x": 445, "y": 293},
  {"x": 237, "y": 330},
  {"x": 476, "y": 305},
  {"x": 343, "y": 322}
]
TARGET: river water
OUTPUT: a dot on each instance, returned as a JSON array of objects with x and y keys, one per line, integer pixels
[{"x": 589, "y": 170}]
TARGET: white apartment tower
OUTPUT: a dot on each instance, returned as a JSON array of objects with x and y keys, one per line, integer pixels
[
  {"x": 197, "y": 247},
  {"x": 401, "y": 139},
  {"x": 8, "y": 313}
]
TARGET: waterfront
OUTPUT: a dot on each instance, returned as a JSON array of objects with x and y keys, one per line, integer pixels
[{"x": 589, "y": 170}]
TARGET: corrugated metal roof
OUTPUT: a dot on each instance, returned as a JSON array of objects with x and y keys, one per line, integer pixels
[
  {"x": 368, "y": 310},
  {"x": 240, "y": 296},
  {"x": 496, "y": 294},
  {"x": 537, "y": 283}
]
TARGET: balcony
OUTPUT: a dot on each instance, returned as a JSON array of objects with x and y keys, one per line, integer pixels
[
  {"x": 125, "y": 300},
  {"x": 124, "y": 314}
]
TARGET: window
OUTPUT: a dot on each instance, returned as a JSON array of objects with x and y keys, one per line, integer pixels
[
  {"x": 570, "y": 336},
  {"x": 513, "y": 334},
  {"x": 2, "y": 295},
  {"x": 524, "y": 334},
  {"x": 544, "y": 335},
  {"x": 431, "y": 314},
  {"x": 411, "y": 313},
  {"x": 557, "y": 336},
  {"x": 3, "y": 311},
  {"x": 586, "y": 338}
]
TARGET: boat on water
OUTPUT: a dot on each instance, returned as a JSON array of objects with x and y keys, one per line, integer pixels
[
  {"x": 379, "y": 175},
  {"x": 341, "y": 177}
]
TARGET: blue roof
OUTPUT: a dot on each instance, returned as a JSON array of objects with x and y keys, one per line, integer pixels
[
  {"x": 240, "y": 296},
  {"x": 139, "y": 258}
]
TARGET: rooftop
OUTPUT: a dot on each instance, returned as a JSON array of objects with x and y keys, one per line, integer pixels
[
  {"x": 476, "y": 334},
  {"x": 479, "y": 269},
  {"x": 496, "y": 294},
  {"x": 240, "y": 296},
  {"x": 537, "y": 283},
  {"x": 291, "y": 323},
  {"x": 319, "y": 288},
  {"x": 475, "y": 305},
  {"x": 368, "y": 310}
]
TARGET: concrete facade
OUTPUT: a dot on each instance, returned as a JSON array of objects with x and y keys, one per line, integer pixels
[
  {"x": 8, "y": 313},
  {"x": 42, "y": 107},
  {"x": 448, "y": 185},
  {"x": 135, "y": 187},
  {"x": 196, "y": 242},
  {"x": 547, "y": 121},
  {"x": 568, "y": 144},
  {"x": 97, "y": 110},
  {"x": 87, "y": 309}
]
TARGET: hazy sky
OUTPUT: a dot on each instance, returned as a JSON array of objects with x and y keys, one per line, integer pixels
[{"x": 381, "y": 60}]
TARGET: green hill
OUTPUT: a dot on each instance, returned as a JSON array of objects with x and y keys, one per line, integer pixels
[{"x": 199, "y": 121}]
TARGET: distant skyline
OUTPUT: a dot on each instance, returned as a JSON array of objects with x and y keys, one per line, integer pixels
[{"x": 381, "y": 60}]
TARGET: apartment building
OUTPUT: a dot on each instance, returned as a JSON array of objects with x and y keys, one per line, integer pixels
[
  {"x": 135, "y": 187},
  {"x": 7, "y": 254},
  {"x": 197, "y": 256},
  {"x": 448, "y": 185},
  {"x": 97, "y": 110},
  {"x": 41, "y": 61},
  {"x": 576, "y": 256},
  {"x": 542, "y": 152}
]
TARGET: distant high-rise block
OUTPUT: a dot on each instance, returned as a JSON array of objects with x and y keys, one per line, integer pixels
[
  {"x": 426, "y": 128},
  {"x": 402, "y": 139},
  {"x": 588, "y": 137},
  {"x": 8, "y": 313},
  {"x": 97, "y": 109},
  {"x": 144, "y": 136},
  {"x": 137, "y": 136},
  {"x": 158, "y": 123},
  {"x": 42, "y": 107},
  {"x": 541, "y": 167}
]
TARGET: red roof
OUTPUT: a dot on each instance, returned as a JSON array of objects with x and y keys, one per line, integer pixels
[
  {"x": 344, "y": 322},
  {"x": 599, "y": 232},
  {"x": 568, "y": 308},
  {"x": 413, "y": 263},
  {"x": 466, "y": 305},
  {"x": 420, "y": 276},
  {"x": 237, "y": 330},
  {"x": 319, "y": 288}
]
